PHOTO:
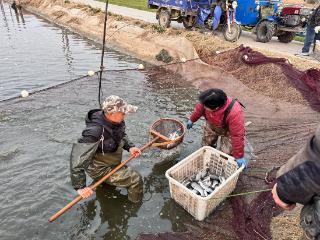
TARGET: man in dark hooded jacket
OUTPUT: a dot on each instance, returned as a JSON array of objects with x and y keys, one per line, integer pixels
[
  {"x": 298, "y": 181},
  {"x": 100, "y": 148}
]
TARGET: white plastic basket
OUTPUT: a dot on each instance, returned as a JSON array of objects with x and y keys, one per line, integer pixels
[{"x": 219, "y": 162}]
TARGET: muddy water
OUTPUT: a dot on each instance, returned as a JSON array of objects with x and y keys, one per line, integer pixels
[{"x": 36, "y": 134}]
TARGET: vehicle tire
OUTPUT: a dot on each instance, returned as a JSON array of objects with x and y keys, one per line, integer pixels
[
  {"x": 164, "y": 18},
  {"x": 286, "y": 37},
  {"x": 235, "y": 33},
  {"x": 186, "y": 22},
  {"x": 265, "y": 31}
]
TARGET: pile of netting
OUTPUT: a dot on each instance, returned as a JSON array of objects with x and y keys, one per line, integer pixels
[{"x": 276, "y": 77}]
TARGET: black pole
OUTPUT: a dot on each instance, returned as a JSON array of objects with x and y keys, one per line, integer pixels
[{"x": 103, "y": 47}]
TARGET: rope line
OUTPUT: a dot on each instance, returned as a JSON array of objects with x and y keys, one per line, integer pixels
[
  {"x": 245, "y": 193},
  {"x": 96, "y": 72}
]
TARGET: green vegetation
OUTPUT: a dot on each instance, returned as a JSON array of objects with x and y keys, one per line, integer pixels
[
  {"x": 158, "y": 28},
  {"x": 137, "y": 4},
  {"x": 299, "y": 38},
  {"x": 93, "y": 10}
]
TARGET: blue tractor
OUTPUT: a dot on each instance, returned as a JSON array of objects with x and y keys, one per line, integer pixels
[
  {"x": 267, "y": 18},
  {"x": 270, "y": 18},
  {"x": 204, "y": 14}
]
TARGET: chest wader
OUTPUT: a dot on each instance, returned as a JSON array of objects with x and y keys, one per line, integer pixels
[{"x": 103, "y": 163}]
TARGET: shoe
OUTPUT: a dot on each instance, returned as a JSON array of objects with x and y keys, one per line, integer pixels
[{"x": 303, "y": 54}]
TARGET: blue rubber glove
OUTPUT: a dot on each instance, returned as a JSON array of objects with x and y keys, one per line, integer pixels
[
  {"x": 242, "y": 161},
  {"x": 189, "y": 124}
]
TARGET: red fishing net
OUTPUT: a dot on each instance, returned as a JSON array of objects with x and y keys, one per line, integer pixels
[{"x": 307, "y": 82}]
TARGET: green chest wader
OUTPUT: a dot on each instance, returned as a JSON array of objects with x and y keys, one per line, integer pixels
[{"x": 102, "y": 163}]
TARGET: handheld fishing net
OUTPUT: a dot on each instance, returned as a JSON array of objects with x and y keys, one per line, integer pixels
[{"x": 169, "y": 131}]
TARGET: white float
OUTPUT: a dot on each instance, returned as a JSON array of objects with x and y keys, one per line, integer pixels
[
  {"x": 141, "y": 67},
  {"x": 91, "y": 73},
  {"x": 24, "y": 93}
]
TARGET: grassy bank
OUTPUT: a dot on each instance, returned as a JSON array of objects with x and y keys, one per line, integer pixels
[{"x": 137, "y": 4}]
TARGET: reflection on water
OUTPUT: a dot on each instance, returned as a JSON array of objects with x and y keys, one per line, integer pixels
[
  {"x": 66, "y": 50},
  {"x": 18, "y": 13}
]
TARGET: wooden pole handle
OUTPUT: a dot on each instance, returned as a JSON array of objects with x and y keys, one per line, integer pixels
[{"x": 96, "y": 184}]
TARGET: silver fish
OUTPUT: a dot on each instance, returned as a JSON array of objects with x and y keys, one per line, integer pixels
[
  {"x": 197, "y": 187},
  {"x": 214, "y": 177},
  {"x": 205, "y": 194},
  {"x": 198, "y": 176},
  {"x": 222, "y": 179},
  {"x": 204, "y": 173},
  {"x": 174, "y": 135},
  {"x": 207, "y": 181},
  {"x": 192, "y": 178},
  {"x": 206, "y": 188},
  {"x": 215, "y": 183}
]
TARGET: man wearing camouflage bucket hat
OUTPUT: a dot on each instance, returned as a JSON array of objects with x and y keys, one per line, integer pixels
[{"x": 99, "y": 150}]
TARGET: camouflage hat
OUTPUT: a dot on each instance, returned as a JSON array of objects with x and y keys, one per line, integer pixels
[{"x": 116, "y": 104}]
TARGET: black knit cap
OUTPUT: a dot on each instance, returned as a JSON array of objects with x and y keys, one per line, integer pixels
[{"x": 213, "y": 98}]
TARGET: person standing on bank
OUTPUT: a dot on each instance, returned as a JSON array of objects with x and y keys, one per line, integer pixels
[
  {"x": 100, "y": 148},
  {"x": 224, "y": 120},
  {"x": 312, "y": 29},
  {"x": 298, "y": 181}
]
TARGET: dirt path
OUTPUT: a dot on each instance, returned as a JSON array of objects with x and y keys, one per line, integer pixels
[{"x": 246, "y": 38}]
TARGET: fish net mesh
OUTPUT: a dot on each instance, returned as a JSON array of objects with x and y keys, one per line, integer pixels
[{"x": 169, "y": 131}]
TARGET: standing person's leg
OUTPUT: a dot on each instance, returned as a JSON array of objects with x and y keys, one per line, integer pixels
[
  {"x": 225, "y": 145},
  {"x": 210, "y": 136},
  {"x": 128, "y": 178},
  {"x": 310, "y": 35}
]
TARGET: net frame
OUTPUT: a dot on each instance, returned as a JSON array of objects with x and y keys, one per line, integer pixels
[{"x": 164, "y": 142}]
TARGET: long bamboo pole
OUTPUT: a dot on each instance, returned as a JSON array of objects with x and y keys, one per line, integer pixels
[
  {"x": 96, "y": 184},
  {"x": 103, "y": 49}
]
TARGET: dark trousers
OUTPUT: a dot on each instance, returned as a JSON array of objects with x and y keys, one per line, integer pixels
[
  {"x": 309, "y": 39},
  {"x": 310, "y": 219}
]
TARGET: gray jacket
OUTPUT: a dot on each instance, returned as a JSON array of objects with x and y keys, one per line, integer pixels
[{"x": 299, "y": 179}]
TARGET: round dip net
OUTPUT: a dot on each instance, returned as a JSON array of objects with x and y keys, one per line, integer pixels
[{"x": 169, "y": 131}]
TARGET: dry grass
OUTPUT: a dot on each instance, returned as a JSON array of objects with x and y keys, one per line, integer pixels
[
  {"x": 267, "y": 79},
  {"x": 287, "y": 226}
]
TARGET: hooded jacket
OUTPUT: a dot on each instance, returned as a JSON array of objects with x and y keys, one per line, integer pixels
[
  {"x": 234, "y": 121},
  {"x": 113, "y": 133},
  {"x": 299, "y": 179},
  {"x": 314, "y": 19},
  {"x": 90, "y": 145}
]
